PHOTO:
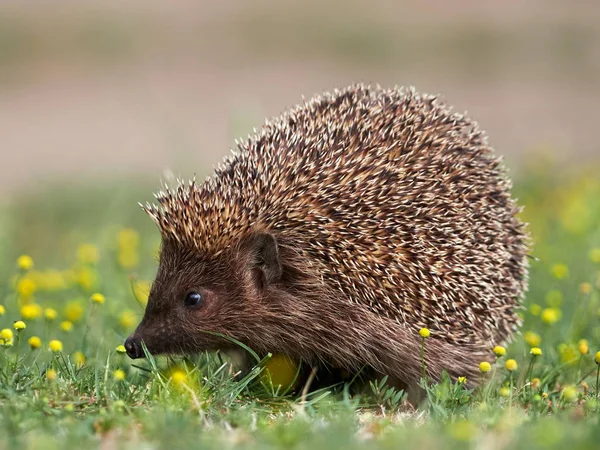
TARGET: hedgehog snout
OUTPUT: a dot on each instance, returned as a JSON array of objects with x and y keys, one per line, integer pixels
[{"x": 133, "y": 346}]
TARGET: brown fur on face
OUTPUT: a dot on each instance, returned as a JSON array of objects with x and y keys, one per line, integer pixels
[{"x": 266, "y": 294}]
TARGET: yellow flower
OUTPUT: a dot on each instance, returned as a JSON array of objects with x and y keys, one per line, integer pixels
[
  {"x": 535, "y": 383},
  {"x": 504, "y": 392},
  {"x": 74, "y": 311},
  {"x": 499, "y": 351},
  {"x": 19, "y": 325},
  {"x": 50, "y": 314},
  {"x": 536, "y": 351},
  {"x": 34, "y": 342},
  {"x": 178, "y": 376},
  {"x": 78, "y": 359},
  {"x": 55, "y": 346},
  {"x": 2, "y": 310},
  {"x": 511, "y": 365},
  {"x": 585, "y": 288},
  {"x": 98, "y": 298},
  {"x": 569, "y": 394},
  {"x": 66, "y": 326},
  {"x": 51, "y": 374},
  {"x": 128, "y": 238},
  {"x": 119, "y": 375},
  {"x": 6, "y": 342},
  {"x": 535, "y": 309},
  {"x": 424, "y": 332},
  {"x": 87, "y": 254},
  {"x": 120, "y": 349},
  {"x": 583, "y": 347},
  {"x": 597, "y": 358},
  {"x": 532, "y": 339},
  {"x": 26, "y": 287},
  {"x": 461, "y": 380},
  {"x": 31, "y": 311},
  {"x": 6, "y": 334},
  {"x": 551, "y": 315},
  {"x": 141, "y": 289},
  {"x": 595, "y": 255},
  {"x": 559, "y": 271},
  {"x": 544, "y": 395},
  {"x": 280, "y": 370},
  {"x": 127, "y": 319},
  {"x": 25, "y": 262},
  {"x": 554, "y": 298},
  {"x": 485, "y": 367}
]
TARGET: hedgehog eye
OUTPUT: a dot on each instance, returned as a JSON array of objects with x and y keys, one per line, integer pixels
[{"x": 193, "y": 299}]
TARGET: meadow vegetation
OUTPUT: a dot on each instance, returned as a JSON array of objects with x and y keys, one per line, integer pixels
[{"x": 75, "y": 273}]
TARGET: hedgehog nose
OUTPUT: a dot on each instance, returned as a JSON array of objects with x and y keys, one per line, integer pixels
[{"x": 133, "y": 348}]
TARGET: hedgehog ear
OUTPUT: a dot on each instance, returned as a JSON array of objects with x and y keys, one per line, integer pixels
[{"x": 264, "y": 258}]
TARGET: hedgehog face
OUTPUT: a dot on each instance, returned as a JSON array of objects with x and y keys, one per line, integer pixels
[{"x": 197, "y": 302}]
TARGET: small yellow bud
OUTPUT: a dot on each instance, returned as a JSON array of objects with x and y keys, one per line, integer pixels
[
  {"x": 97, "y": 298},
  {"x": 55, "y": 346},
  {"x": 31, "y": 311},
  {"x": 424, "y": 332},
  {"x": 34, "y": 342},
  {"x": 597, "y": 358},
  {"x": 499, "y": 351},
  {"x": 511, "y": 365},
  {"x": 583, "y": 347},
  {"x": 78, "y": 359},
  {"x": 19, "y": 325},
  {"x": 535, "y": 383},
  {"x": 51, "y": 374},
  {"x": 6, "y": 334},
  {"x": 461, "y": 380},
  {"x": 536, "y": 351},
  {"x": 504, "y": 392},
  {"x": 544, "y": 395},
  {"x": 66, "y": 326},
  {"x": 50, "y": 314},
  {"x": 25, "y": 262},
  {"x": 569, "y": 394},
  {"x": 120, "y": 349},
  {"x": 550, "y": 315},
  {"x": 2, "y": 310},
  {"x": 532, "y": 339},
  {"x": 119, "y": 375},
  {"x": 178, "y": 376},
  {"x": 485, "y": 367}
]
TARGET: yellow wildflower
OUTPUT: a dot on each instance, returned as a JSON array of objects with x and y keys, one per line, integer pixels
[
  {"x": 597, "y": 358},
  {"x": 536, "y": 351},
  {"x": 6, "y": 334},
  {"x": 2, "y": 310},
  {"x": 178, "y": 376},
  {"x": 559, "y": 271},
  {"x": 499, "y": 351},
  {"x": 461, "y": 380},
  {"x": 532, "y": 339},
  {"x": 424, "y": 332},
  {"x": 120, "y": 349},
  {"x": 504, "y": 392},
  {"x": 31, "y": 311},
  {"x": 551, "y": 315},
  {"x": 569, "y": 394},
  {"x": 51, "y": 374},
  {"x": 74, "y": 311},
  {"x": 544, "y": 395},
  {"x": 55, "y": 346},
  {"x": 535, "y": 383},
  {"x": 34, "y": 342},
  {"x": 19, "y": 325},
  {"x": 128, "y": 238},
  {"x": 585, "y": 288},
  {"x": 66, "y": 326},
  {"x": 119, "y": 375},
  {"x": 87, "y": 253},
  {"x": 78, "y": 359},
  {"x": 98, "y": 298},
  {"x": 583, "y": 347},
  {"x": 485, "y": 367},
  {"x": 50, "y": 314},
  {"x": 535, "y": 309},
  {"x": 595, "y": 255},
  {"x": 26, "y": 287},
  {"x": 511, "y": 365},
  {"x": 141, "y": 289},
  {"x": 127, "y": 319},
  {"x": 25, "y": 262}
]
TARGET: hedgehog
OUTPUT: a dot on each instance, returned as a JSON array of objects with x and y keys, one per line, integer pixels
[{"x": 337, "y": 232}]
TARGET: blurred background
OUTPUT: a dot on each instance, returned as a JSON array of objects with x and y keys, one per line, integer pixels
[{"x": 122, "y": 89}]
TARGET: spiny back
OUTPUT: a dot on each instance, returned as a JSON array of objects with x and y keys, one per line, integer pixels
[{"x": 398, "y": 200}]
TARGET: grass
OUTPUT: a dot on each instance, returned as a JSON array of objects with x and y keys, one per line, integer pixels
[{"x": 87, "y": 394}]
